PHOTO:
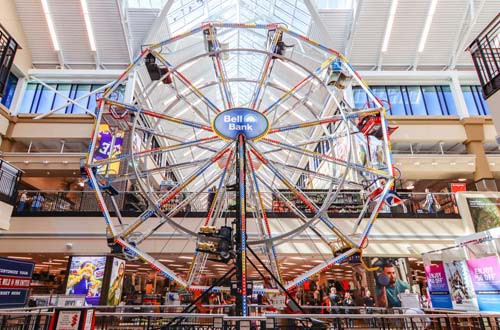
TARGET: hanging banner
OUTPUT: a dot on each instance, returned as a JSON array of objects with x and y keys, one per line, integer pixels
[
  {"x": 458, "y": 187},
  {"x": 15, "y": 280},
  {"x": 438, "y": 286},
  {"x": 109, "y": 146},
  {"x": 462, "y": 292},
  {"x": 485, "y": 275}
]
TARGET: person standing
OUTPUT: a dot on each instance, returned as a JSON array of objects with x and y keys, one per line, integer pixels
[
  {"x": 37, "y": 202},
  {"x": 369, "y": 302},
  {"x": 348, "y": 302},
  {"x": 388, "y": 295},
  {"x": 22, "y": 202}
]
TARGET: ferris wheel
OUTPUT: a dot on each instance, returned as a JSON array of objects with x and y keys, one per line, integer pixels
[{"x": 241, "y": 123}]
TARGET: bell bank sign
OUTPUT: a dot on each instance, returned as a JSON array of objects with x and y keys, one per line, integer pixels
[{"x": 229, "y": 124}]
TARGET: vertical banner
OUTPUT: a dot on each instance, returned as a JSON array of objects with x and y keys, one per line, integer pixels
[
  {"x": 438, "y": 286},
  {"x": 116, "y": 282},
  {"x": 462, "y": 292},
  {"x": 15, "y": 280},
  {"x": 485, "y": 274},
  {"x": 109, "y": 145},
  {"x": 85, "y": 277}
]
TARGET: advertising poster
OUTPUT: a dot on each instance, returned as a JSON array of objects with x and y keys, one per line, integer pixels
[
  {"x": 106, "y": 141},
  {"x": 85, "y": 278},
  {"x": 462, "y": 292},
  {"x": 15, "y": 280},
  {"x": 437, "y": 285},
  {"x": 485, "y": 212},
  {"x": 485, "y": 275},
  {"x": 68, "y": 320},
  {"x": 116, "y": 282}
]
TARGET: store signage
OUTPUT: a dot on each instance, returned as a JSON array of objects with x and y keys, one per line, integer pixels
[
  {"x": 485, "y": 275},
  {"x": 15, "y": 280},
  {"x": 437, "y": 285},
  {"x": 229, "y": 124}
]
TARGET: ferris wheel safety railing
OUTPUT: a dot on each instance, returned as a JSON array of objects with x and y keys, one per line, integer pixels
[
  {"x": 347, "y": 205},
  {"x": 216, "y": 317}
]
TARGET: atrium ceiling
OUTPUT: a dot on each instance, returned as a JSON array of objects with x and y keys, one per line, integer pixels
[{"x": 357, "y": 28}]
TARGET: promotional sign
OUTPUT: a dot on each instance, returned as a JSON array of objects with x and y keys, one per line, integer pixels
[
  {"x": 85, "y": 277},
  {"x": 73, "y": 319},
  {"x": 458, "y": 187},
  {"x": 462, "y": 292},
  {"x": 15, "y": 280},
  {"x": 109, "y": 145},
  {"x": 485, "y": 212},
  {"x": 485, "y": 275},
  {"x": 229, "y": 124},
  {"x": 437, "y": 285},
  {"x": 116, "y": 282}
]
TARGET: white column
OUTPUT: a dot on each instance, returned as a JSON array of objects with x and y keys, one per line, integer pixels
[{"x": 458, "y": 96}]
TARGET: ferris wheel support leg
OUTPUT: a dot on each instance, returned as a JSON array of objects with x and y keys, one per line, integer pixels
[
  {"x": 283, "y": 288},
  {"x": 241, "y": 230}
]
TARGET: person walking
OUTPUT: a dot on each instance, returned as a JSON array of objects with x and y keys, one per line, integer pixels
[{"x": 37, "y": 202}]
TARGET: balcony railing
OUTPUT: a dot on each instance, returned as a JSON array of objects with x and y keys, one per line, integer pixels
[
  {"x": 347, "y": 204},
  {"x": 485, "y": 51},
  {"x": 9, "y": 181},
  {"x": 8, "y": 49}
]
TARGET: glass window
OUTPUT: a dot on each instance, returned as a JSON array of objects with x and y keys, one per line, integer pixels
[
  {"x": 46, "y": 99},
  {"x": 448, "y": 99},
  {"x": 360, "y": 97},
  {"x": 29, "y": 94},
  {"x": 416, "y": 100},
  {"x": 470, "y": 101},
  {"x": 396, "y": 100},
  {"x": 432, "y": 101},
  {"x": 81, "y": 90},
  {"x": 59, "y": 100},
  {"x": 10, "y": 89}
]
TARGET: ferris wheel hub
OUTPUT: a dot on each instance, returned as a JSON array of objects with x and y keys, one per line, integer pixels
[{"x": 229, "y": 124}]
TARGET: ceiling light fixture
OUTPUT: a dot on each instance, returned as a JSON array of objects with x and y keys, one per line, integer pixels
[
  {"x": 427, "y": 26},
  {"x": 50, "y": 23},
  {"x": 20, "y": 258},
  {"x": 88, "y": 25},
  {"x": 462, "y": 179},
  {"x": 390, "y": 23},
  {"x": 410, "y": 186}
]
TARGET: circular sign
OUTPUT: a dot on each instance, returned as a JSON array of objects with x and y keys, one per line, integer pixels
[{"x": 229, "y": 124}]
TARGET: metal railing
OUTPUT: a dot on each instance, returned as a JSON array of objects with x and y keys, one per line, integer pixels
[
  {"x": 10, "y": 177},
  {"x": 110, "y": 319},
  {"x": 485, "y": 51},
  {"x": 8, "y": 49},
  {"x": 347, "y": 204}
]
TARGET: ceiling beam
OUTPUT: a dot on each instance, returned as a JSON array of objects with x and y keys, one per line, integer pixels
[
  {"x": 126, "y": 31},
  {"x": 327, "y": 38},
  {"x": 464, "y": 37},
  {"x": 352, "y": 28},
  {"x": 160, "y": 20}
]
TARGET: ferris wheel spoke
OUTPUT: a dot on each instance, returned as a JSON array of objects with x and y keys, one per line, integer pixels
[
  {"x": 157, "y": 204},
  {"x": 335, "y": 160},
  {"x": 150, "y": 152},
  {"x": 304, "y": 198},
  {"x": 167, "y": 218},
  {"x": 266, "y": 72},
  {"x": 272, "y": 254},
  {"x": 188, "y": 84},
  {"x": 306, "y": 222},
  {"x": 220, "y": 71},
  {"x": 298, "y": 85},
  {"x": 156, "y": 265},
  {"x": 219, "y": 188}
]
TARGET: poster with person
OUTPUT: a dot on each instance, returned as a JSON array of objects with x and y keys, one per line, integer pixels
[
  {"x": 459, "y": 282},
  {"x": 437, "y": 285},
  {"x": 85, "y": 277},
  {"x": 485, "y": 275},
  {"x": 389, "y": 287},
  {"x": 116, "y": 282}
]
